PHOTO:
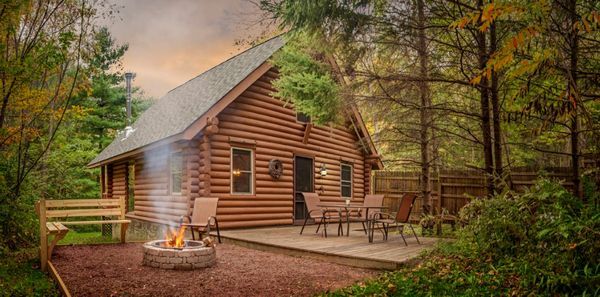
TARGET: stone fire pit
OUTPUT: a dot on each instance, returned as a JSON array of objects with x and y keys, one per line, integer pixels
[{"x": 193, "y": 255}]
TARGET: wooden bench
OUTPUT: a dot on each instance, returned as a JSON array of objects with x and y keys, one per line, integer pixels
[{"x": 50, "y": 209}]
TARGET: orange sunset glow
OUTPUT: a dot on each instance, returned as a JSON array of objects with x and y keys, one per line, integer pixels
[{"x": 171, "y": 42}]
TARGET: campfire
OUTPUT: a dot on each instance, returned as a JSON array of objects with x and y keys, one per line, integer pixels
[
  {"x": 175, "y": 252},
  {"x": 175, "y": 238}
]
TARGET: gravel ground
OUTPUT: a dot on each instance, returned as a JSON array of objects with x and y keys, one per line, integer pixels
[{"x": 116, "y": 270}]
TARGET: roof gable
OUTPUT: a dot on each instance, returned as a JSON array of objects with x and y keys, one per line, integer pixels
[{"x": 182, "y": 106}]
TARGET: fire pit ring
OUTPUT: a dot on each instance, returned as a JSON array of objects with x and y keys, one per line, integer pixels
[{"x": 193, "y": 255}]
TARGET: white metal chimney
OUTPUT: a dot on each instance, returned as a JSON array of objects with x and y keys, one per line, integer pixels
[{"x": 128, "y": 77}]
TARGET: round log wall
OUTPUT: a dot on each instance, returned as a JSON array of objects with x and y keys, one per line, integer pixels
[{"x": 267, "y": 125}]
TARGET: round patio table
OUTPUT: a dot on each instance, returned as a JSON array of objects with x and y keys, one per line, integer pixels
[{"x": 346, "y": 208}]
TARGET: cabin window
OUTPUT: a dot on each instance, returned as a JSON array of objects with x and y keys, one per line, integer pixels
[
  {"x": 242, "y": 171},
  {"x": 176, "y": 170},
  {"x": 302, "y": 117},
  {"x": 346, "y": 180}
]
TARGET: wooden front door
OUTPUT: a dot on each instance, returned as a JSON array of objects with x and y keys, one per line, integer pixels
[{"x": 303, "y": 182}]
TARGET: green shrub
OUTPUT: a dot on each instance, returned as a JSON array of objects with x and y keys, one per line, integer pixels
[
  {"x": 543, "y": 242},
  {"x": 547, "y": 236}
]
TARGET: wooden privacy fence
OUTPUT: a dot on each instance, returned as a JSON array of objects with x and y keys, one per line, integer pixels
[{"x": 456, "y": 187}]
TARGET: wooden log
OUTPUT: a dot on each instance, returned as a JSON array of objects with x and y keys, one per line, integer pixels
[
  {"x": 259, "y": 100},
  {"x": 155, "y": 192},
  {"x": 286, "y": 178},
  {"x": 264, "y": 196},
  {"x": 255, "y": 210},
  {"x": 266, "y": 190},
  {"x": 161, "y": 198},
  {"x": 157, "y": 210},
  {"x": 252, "y": 217},
  {"x": 156, "y": 180},
  {"x": 152, "y": 186},
  {"x": 257, "y": 223},
  {"x": 285, "y": 118},
  {"x": 234, "y": 129},
  {"x": 254, "y": 203},
  {"x": 264, "y": 85},
  {"x": 162, "y": 204},
  {"x": 159, "y": 216},
  {"x": 261, "y": 133}
]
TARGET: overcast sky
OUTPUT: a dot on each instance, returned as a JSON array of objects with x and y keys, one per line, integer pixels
[{"x": 172, "y": 41}]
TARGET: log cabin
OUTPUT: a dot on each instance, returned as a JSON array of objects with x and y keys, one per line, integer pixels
[{"x": 223, "y": 134}]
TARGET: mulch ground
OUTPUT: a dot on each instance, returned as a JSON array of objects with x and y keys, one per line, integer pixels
[{"x": 116, "y": 270}]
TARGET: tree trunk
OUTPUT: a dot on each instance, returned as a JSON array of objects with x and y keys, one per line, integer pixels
[
  {"x": 424, "y": 110},
  {"x": 573, "y": 95},
  {"x": 498, "y": 167},
  {"x": 485, "y": 108}
]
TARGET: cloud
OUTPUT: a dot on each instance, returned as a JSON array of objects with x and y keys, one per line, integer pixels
[{"x": 171, "y": 42}]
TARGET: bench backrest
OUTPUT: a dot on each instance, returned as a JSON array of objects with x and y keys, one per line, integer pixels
[{"x": 82, "y": 208}]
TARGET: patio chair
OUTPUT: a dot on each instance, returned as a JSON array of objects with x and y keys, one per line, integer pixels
[
  {"x": 361, "y": 215},
  {"x": 203, "y": 218},
  {"x": 320, "y": 215},
  {"x": 402, "y": 217}
]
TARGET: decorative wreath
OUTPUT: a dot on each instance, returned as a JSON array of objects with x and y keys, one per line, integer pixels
[{"x": 275, "y": 168}]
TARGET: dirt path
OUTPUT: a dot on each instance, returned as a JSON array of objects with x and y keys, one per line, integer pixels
[{"x": 116, "y": 270}]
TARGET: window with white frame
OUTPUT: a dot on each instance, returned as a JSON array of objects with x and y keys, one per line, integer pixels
[
  {"x": 346, "y": 180},
  {"x": 176, "y": 172},
  {"x": 242, "y": 171}
]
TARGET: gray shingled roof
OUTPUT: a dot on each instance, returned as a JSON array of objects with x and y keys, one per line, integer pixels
[{"x": 180, "y": 107}]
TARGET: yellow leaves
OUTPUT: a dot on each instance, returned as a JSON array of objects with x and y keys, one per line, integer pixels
[
  {"x": 488, "y": 15},
  {"x": 595, "y": 16},
  {"x": 484, "y": 18},
  {"x": 476, "y": 80},
  {"x": 522, "y": 37},
  {"x": 505, "y": 56},
  {"x": 32, "y": 108},
  {"x": 463, "y": 22},
  {"x": 589, "y": 23}
]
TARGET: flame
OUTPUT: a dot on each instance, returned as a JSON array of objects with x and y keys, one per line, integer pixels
[{"x": 175, "y": 238}]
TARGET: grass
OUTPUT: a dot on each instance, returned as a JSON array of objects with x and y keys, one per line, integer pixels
[
  {"x": 74, "y": 237},
  {"x": 20, "y": 275}
]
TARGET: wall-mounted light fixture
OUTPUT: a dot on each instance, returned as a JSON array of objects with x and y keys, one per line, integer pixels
[
  {"x": 236, "y": 172},
  {"x": 323, "y": 170}
]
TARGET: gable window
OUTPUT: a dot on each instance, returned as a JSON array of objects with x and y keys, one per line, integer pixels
[
  {"x": 346, "y": 180},
  {"x": 242, "y": 171},
  {"x": 176, "y": 172},
  {"x": 303, "y": 118}
]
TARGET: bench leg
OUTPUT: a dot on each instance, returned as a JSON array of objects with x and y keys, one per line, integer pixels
[
  {"x": 58, "y": 236},
  {"x": 123, "y": 231}
]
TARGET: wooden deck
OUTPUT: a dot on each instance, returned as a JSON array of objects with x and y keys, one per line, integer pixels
[{"x": 354, "y": 250}]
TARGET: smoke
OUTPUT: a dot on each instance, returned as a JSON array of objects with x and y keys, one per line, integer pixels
[{"x": 155, "y": 185}]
